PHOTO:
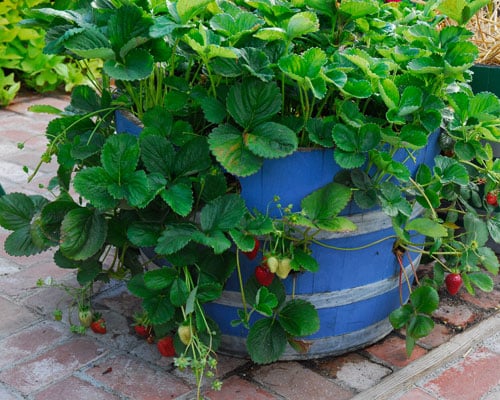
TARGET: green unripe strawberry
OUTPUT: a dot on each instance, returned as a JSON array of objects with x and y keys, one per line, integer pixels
[
  {"x": 272, "y": 264},
  {"x": 185, "y": 334},
  {"x": 284, "y": 267},
  {"x": 85, "y": 316}
]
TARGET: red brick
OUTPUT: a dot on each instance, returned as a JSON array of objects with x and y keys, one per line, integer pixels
[
  {"x": 136, "y": 380},
  {"x": 439, "y": 335},
  {"x": 74, "y": 389},
  {"x": 486, "y": 301},
  {"x": 24, "y": 282},
  {"x": 14, "y": 318},
  {"x": 29, "y": 342},
  {"x": 458, "y": 316},
  {"x": 469, "y": 378},
  {"x": 416, "y": 394},
  {"x": 392, "y": 350},
  {"x": 287, "y": 379},
  {"x": 236, "y": 388},
  {"x": 49, "y": 367}
]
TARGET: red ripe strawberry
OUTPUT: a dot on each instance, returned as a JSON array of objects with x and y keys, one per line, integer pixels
[
  {"x": 142, "y": 331},
  {"x": 166, "y": 346},
  {"x": 263, "y": 275},
  {"x": 453, "y": 283},
  {"x": 99, "y": 326},
  {"x": 252, "y": 254},
  {"x": 492, "y": 199}
]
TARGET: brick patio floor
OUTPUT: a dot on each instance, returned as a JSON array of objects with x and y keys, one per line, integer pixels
[{"x": 40, "y": 359}]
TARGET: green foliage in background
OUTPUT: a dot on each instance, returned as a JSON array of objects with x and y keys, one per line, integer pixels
[{"x": 22, "y": 61}]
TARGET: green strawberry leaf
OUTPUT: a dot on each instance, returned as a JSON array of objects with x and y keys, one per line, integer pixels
[
  {"x": 427, "y": 227},
  {"x": 159, "y": 309},
  {"x": 401, "y": 316},
  {"x": 179, "y": 292},
  {"x": 226, "y": 143},
  {"x": 92, "y": 184},
  {"x": 159, "y": 279},
  {"x": 266, "y": 341},
  {"x": 482, "y": 280},
  {"x": 271, "y": 140},
  {"x": 425, "y": 299},
  {"x": 265, "y": 301},
  {"x": 326, "y": 202},
  {"x": 83, "y": 233},
  {"x": 299, "y": 318},
  {"x": 253, "y": 102},
  {"x": 174, "y": 238},
  {"x": 179, "y": 197},
  {"x": 420, "y": 326}
]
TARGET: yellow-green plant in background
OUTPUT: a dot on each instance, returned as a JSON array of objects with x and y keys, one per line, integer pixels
[{"x": 22, "y": 61}]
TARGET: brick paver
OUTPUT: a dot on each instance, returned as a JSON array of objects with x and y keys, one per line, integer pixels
[
  {"x": 131, "y": 377},
  {"x": 237, "y": 388},
  {"x": 393, "y": 352},
  {"x": 469, "y": 378},
  {"x": 458, "y": 316},
  {"x": 416, "y": 394},
  {"x": 74, "y": 389},
  {"x": 28, "y": 342},
  {"x": 295, "y": 382},
  {"x": 14, "y": 318},
  {"x": 51, "y": 366}
]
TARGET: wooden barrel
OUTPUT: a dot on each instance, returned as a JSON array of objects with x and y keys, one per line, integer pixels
[{"x": 357, "y": 285}]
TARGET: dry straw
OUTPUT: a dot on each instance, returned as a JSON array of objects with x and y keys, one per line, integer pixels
[{"x": 486, "y": 27}]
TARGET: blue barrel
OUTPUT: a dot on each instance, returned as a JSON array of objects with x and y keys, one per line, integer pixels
[{"x": 354, "y": 290}]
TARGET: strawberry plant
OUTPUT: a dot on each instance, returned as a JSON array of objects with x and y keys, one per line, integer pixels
[{"x": 222, "y": 89}]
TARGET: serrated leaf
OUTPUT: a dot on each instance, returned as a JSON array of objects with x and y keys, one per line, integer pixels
[
  {"x": 137, "y": 65},
  {"x": 226, "y": 143},
  {"x": 214, "y": 239},
  {"x": 253, "y": 102},
  {"x": 427, "y": 227},
  {"x": 271, "y": 140},
  {"x": 159, "y": 309},
  {"x": 401, "y": 316},
  {"x": 83, "y": 233},
  {"x": 157, "y": 153},
  {"x": 425, "y": 299},
  {"x": 299, "y": 318},
  {"x": 482, "y": 281},
  {"x": 179, "y": 197},
  {"x": 420, "y": 326},
  {"x": 174, "y": 238},
  {"x": 213, "y": 109},
  {"x": 92, "y": 184},
  {"x": 301, "y": 24},
  {"x": 266, "y": 341},
  {"x": 223, "y": 213},
  {"x": 326, "y": 202},
  {"x": 16, "y": 210},
  {"x": 159, "y": 279},
  {"x": 265, "y": 301},
  {"x": 488, "y": 259}
]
